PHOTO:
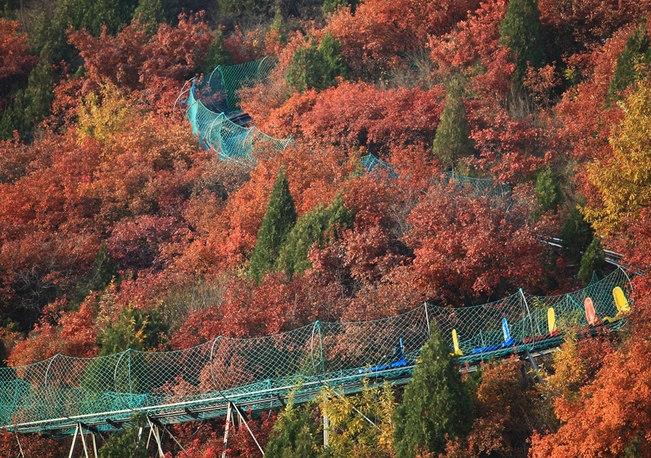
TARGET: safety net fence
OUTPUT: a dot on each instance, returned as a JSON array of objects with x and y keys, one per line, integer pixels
[
  {"x": 210, "y": 103},
  {"x": 197, "y": 383}
]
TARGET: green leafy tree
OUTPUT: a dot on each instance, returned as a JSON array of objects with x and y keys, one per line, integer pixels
[
  {"x": 520, "y": 32},
  {"x": 452, "y": 141},
  {"x": 295, "y": 434},
  {"x": 548, "y": 193},
  {"x": 316, "y": 66},
  {"x": 435, "y": 403},
  {"x": 313, "y": 227},
  {"x": 636, "y": 51},
  {"x": 127, "y": 443},
  {"x": 277, "y": 223},
  {"x": 623, "y": 179},
  {"x": 593, "y": 260}
]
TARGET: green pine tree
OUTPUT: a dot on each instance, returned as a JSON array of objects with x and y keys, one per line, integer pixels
[
  {"x": 101, "y": 275},
  {"x": 276, "y": 225},
  {"x": 593, "y": 260},
  {"x": 330, "y": 6},
  {"x": 279, "y": 26},
  {"x": 636, "y": 51},
  {"x": 294, "y": 435},
  {"x": 127, "y": 443},
  {"x": 316, "y": 66},
  {"x": 435, "y": 403},
  {"x": 548, "y": 193},
  {"x": 94, "y": 14},
  {"x": 236, "y": 7},
  {"x": 32, "y": 105},
  {"x": 452, "y": 140},
  {"x": 313, "y": 227},
  {"x": 137, "y": 329},
  {"x": 152, "y": 13},
  {"x": 520, "y": 32},
  {"x": 576, "y": 236},
  {"x": 217, "y": 54}
]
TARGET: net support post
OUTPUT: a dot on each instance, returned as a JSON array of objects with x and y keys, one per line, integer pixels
[
  {"x": 229, "y": 419},
  {"x": 528, "y": 313},
  {"x": 153, "y": 431}
]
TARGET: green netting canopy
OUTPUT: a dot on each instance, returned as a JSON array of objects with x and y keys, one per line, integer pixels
[
  {"x": 197, "y": 383},
  {"x": 212, "y": 103}
]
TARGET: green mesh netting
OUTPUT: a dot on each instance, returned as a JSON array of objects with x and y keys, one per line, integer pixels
[
  {"x": 197, "y": 382},
  {"x": 210, "y": 101},
  {"x": 477, "y": 186},
  {"x": 372, "y": 164}
]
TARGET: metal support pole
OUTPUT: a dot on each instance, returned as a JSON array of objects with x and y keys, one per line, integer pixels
[
  {"x": 533, "y": 328},
  {"x": 153, "y": 431},
  {"x": 83, "y": 440},
  {"x": 326, "y": 426},
  {"x": 429, "y": 332},
  {"x": 249, "y": 429},
  {"x": 229, "y": 418},
  {"x": 20, "y": 447},
  {"x": 94, "y": 445},
  {"x": 535, "y": 368},
  {"x": 74, "y": 441}
]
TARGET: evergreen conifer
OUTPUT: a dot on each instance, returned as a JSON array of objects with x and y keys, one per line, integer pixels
[
  {"x": 330, "y": 6},
  {"x": 152, "y": 13},
  {"x": 137, "y": 329},
  {"x": 636, "y": 51},
  {"x": 452, "y": 140},
  {"x": 593, "y": 260},
  {"x": 101, "y": 275},
  {"x": 276, "y": 225},
  {"x": 520, "y": 32},
  {"x": 548, "y": 194},
  {"x": 316, "y": 66},
  {"x": 435, "y": 403},
  {"x": 294, "y": 434},
  {"x": 312, "y": 227},
  {"x": 576, "y": 236},
  {"x": 217, "y": 54},
  {"x": 32, "y": 105},
  {"x": 127, "y": 443}
]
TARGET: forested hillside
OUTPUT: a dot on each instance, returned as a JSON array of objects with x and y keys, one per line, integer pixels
[{"x": 118, "y": 230}]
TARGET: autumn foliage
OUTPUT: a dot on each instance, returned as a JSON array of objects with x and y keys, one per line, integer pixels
[{"x": 112, "y": 215}]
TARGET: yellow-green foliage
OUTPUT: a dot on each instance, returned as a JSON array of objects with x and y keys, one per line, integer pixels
[
  {"x": 103, "y": 114},
  {"x": 362, "y": 425},
  {"x": 624, "y": 180},
  {"x": 569, "y": 372}
]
